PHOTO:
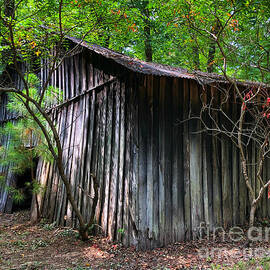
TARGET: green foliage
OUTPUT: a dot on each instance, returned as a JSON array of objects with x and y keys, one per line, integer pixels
[
  {"x": 121, "y": 231},
  {"x": 180, "y": 31},
  {"x": 49, "y": 227},
  {"x": 26, "y": 141},
  {"x": 17, "y": 194}
]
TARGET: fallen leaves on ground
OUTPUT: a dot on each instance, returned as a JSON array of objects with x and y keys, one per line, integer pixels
[{"x": 26, "y": 246}]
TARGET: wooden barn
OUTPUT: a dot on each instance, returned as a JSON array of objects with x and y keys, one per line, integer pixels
[{"x": 158, "y": 178}]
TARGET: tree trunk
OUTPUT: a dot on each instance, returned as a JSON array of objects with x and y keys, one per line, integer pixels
[
  {"x": 147, "y": 33},
  {"x": 9, "y": 6},
  {"x": 212, "y": 48},
  {"x": 196, "y": 58},
  {"x": 252, "y": 214},
  {"x": 211, "y": 57}
]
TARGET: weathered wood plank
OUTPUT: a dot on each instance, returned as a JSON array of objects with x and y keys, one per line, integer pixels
[
  {"x": 207, "y": 165},
  {"x": 47, "y": 191},
  {"x": 101, "y": 158},
  {"x": 217, "y": 196},
  {"x": 165, "y": 184},
  {"x": 78, "y": 158},
  {"x": 95, "y": 148},
  {"x": 90, "y": 141},
  {"x": 178, "y": 225},
  {"x": 133, "y": 188},
  {"x": 143, "y": 131},
  {"x": 235, "y": 176},
  {"x": 121, "y": 179},
  {"x": 107, "y": 161},
  {"x": 195, "y": 161},
  {"x": 114, "y": 164},
  {"x": 55, "y": 179},
  {"x": 71, "y": 77},
  {"x": 155, "y": 162},
  {"x": 72, "y": 157},
  {"x": 60, "y": 196},
  {"x": 226, "y": 171},
  {"x": 167, "y": 110},
  {"x": 76, "y": 70},
  {"x": 127, "y": 174},
  {"x": 186, "y": 152}
]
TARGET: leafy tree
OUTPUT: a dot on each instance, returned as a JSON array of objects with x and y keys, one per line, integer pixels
[{"x": 25, "y": 41}]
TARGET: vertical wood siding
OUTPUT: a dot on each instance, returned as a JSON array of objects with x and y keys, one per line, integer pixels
[
  {"x": 185, "y": 177},
  {"x": 158, "y": 178}
]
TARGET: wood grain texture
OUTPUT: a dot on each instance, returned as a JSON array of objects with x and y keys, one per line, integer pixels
[{"x": 159, "y": 178}]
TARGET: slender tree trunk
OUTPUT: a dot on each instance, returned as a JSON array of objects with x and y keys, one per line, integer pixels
[
  {"x": 252, "y": 214},
  {"x": 148, "y": 50},
  {"x": 33, "y": 178},
  {"x": 211, "y": 57},
  {"x": 9, "y": 6},
  {"x": 107, "y": 41},
  {"x": 212, "y": 48},
  {"x": 196, "y": 58},
  {"x": 147, "y": 44}
]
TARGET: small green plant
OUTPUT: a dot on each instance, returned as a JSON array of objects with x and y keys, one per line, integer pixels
[
  {"x": 240, "y": 265},
  {"x": 216, "y": 266},
  {"x": 17, "y": 194},
  {"x": 252, "y": 261},
  {"x": 49, "y": 227},
  {"x": 68, "y": 233},
  {"x": 121, "y": 231},
  {"x": 38, "y": 243},
  {"x": 24, "y": 234},
  {"x": 19, "y": 243}
]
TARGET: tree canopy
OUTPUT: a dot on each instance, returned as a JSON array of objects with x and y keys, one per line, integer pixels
[{"x": 181, "y": 33}]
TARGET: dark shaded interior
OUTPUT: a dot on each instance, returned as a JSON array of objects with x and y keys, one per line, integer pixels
[{"x": 21, "y": 181}]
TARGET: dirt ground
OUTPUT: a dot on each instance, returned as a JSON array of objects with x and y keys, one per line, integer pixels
[{"x": 44, "y": 246}]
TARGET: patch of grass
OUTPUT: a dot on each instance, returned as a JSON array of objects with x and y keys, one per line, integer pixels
[{"x": 254, "y": 263}]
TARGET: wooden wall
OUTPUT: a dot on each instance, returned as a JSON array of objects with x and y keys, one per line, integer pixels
[
  {"x": 186, "y": 177},
  {"x": 96, "y": 135},
  {"x": 159, "y": 179}
]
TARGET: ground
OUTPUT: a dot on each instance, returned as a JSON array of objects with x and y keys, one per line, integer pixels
[{"x": 44, "y": 246}]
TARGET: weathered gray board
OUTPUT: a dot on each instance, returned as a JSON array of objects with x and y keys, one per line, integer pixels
[{"x": 158, "y": 179}]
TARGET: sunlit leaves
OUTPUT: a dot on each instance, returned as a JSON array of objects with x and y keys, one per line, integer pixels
[{"x": 178, "y": 30}]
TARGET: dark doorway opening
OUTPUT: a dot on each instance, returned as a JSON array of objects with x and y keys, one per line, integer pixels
[{"x": 21, "y": 184}]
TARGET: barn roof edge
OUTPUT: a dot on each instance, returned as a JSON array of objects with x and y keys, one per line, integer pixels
[{"x": 151, "y": 68}]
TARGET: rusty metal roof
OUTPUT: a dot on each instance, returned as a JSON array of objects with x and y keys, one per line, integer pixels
[{"x": 140, "y": 66}]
